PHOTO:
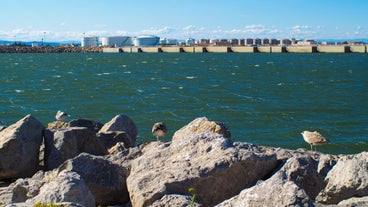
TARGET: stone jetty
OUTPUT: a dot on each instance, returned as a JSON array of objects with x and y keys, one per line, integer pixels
[
  {"x": 88, "y": 163},
  {"x": 49, "y": 49}
]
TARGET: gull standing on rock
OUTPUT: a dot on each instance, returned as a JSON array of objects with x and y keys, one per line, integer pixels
[
  {"x": 313, "y": 138},
  {"x": 159, "y": 130},
  {"x": 61, "y": 116}
]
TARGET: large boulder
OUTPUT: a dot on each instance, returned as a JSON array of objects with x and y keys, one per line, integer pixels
[
  {"x": 106, "y": 180},
  {"x": 64, "y": 144},
  {"x": 348, "y": 178},
  {"x": 19, "y": 148},
  {"x": 92, "y": 125},
  {"x": 203, "y": 159},
  {"x": 175, "y": 200},
  {"x": 355, "y": 201},
  {"x": 22, "y": 189},
  {"x": 121, "y": 123},
  {"x": 110, "y": 139},
  {"x": 202, "y": 124},
  {"x": 65, "y": 186},
  {"x": 284, "y": 188}
]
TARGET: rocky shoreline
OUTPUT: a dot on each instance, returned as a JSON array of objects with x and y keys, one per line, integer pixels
[
  {"x": 87, "y": 163},
  {"x": 50, "y": 49}
]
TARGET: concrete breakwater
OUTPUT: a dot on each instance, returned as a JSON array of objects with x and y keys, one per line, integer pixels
[
  {"x": 241, "y": 49},
  {"x": 188, "y": 49},
  {"x": 49, "y": 49}
]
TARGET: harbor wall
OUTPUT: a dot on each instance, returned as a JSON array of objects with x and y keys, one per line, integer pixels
[
  {"x": 264, "y": 49},
  {"x": 301, "y": 49},
  {"x": 333, "y": 48},
  {"x": 243, "y": 49},
  {"x": 358, "y": 48}
]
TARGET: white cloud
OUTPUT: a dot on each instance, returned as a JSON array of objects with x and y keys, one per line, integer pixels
[{"x": 247, "y": 31}]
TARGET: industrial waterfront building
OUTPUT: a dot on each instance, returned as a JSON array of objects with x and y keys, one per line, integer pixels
[
  {"x": 147, "y": 40},
  {"x": 89, "y": 41},
  {"x": 116, "y": 41}
]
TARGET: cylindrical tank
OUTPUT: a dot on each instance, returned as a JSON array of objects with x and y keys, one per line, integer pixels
[
  {"x": 89, "y": 41},
  {"x": 148, "y": 40},
  {"x": 116, "y": 41},
  {"x": 190, "y": 41},
  {"x": 166, "y": 41}
]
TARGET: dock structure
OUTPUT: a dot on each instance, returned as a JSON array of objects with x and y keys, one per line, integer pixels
[{"x": 241, "y": 49}]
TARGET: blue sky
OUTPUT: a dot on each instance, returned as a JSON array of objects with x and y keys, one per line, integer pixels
[{"x": 58, "y": 20}]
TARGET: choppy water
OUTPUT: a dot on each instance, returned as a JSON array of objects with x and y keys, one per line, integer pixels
[{"x": 266, "y": 99}]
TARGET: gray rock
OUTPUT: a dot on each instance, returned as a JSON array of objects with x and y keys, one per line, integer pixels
[
  {"x": 284, "y": 188},
  {"x": 175, "y": 200},
  {"x": 110, "y": 139},
  {"x": 361, "y": 202},
  {"x": 203, "y": 159},
  {"x": 106, "y": 180},
  {"x": 20, "y": 190},
  {"x": 121, "y": 123},
  {"x": 64, "y": 144},
  {"x": 303, "y": 172},
  {"x": 19, "y": 148},
  {"x": 202, "y": 124},
  {"x": 348, "y": 178},
  {"x": 92, "y": 125},
  {"x": 65, "y": 186}
]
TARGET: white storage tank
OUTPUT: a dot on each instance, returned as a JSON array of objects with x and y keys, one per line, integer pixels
[
  {"x": 166, "y": 41},
  {"x": 116, "y": 41},
  {"x": 148, "y": 40},
  {"x": 190, "y": 41},
  {"x": 89, "y": 41}
]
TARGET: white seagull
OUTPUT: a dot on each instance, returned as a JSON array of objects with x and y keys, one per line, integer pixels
[
  {"x": 314, "y": 138},
  {"x": 61, "y": 116},
  {"x": 159, "y": 130}
]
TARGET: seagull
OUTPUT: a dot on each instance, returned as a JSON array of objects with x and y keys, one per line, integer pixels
[
  {"x": 314, "y": 138},
  {"x": 159, "y": 130},
  {"x": 61, "y": 116}
]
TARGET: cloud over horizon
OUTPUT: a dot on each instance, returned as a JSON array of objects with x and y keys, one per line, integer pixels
[{"x": 248, "y": 31}]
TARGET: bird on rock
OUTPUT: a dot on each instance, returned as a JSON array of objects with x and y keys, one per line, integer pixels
[
  {"x": 159, "y": 129},
  {"x": 61, "y": 116},
  {"x": 313, "y": 138}
]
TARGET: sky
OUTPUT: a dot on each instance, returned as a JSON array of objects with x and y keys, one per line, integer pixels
[{"x": 64, "y": 20}]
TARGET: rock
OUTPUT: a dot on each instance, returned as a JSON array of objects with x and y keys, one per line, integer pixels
[
  {"x": 19, "y": 148},
  {"x": 106, "y": 180},
  {"x": 348, "y": 178},
  {"x": 284, "y": 188},
  {"x": 92, "y": 125},
  {"x": 121, "y": 123},
  {"x": 64, "y": 144},
  {"x": 303, "y": 172},
  {"x": 67, "y": 186},
  {"x": 175, "y": 200},
  {"x": 21, "y": 189},
  {"x": 204, "y": 160},
  {"x": 117, "y": 148},
  {"x": 362, "y": 201},
  {"x": 2, "y": 126},
  {"x": 110, "y": 139},
  {"x": 202, "y": 124},
  {"x": 58, "y": 125}
]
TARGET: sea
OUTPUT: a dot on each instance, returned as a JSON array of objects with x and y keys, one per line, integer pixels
[{"x": 264, "y": 98}]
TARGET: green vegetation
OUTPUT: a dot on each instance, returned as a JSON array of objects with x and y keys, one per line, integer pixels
[{"x": 193, "y": 192}]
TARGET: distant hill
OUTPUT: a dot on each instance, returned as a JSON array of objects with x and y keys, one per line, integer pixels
[{"x": 29, "y": 43}]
